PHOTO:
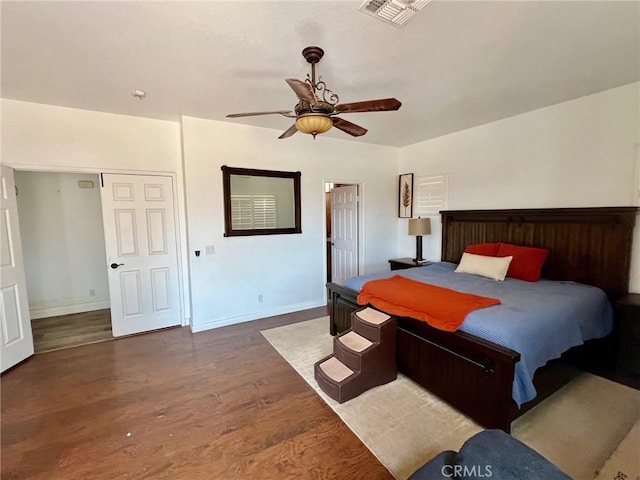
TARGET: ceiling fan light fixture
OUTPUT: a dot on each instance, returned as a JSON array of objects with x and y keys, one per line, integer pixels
[
  {"x": 313, "y": 123},
  {"x": 317, "y": 105}
]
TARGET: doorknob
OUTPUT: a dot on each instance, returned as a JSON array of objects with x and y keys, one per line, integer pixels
[{"x": 116, "y": 265}]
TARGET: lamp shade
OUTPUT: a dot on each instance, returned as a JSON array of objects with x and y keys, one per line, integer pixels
[
  {"x": 313, "y": 123},
  {"x": 419, "y": 226}
]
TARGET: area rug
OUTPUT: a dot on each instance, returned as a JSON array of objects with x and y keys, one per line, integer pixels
[{"x": 578, "y": 428}]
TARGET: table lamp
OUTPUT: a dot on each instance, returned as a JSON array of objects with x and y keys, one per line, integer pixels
[{"x": 419, "y": 227}]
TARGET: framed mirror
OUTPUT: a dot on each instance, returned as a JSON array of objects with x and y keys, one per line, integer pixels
[{"x": 260, "y": 202}]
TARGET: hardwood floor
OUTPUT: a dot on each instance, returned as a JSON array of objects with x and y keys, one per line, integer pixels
[
  {"x": 221, "y": 404},
  {"x": 64, "y": 331}
]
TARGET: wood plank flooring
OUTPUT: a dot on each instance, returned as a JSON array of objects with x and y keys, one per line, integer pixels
[
  {"x": 217, "y": 405},
  {"x": 64, "y": 331}
]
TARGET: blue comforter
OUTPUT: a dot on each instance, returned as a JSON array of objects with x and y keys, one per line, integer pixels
[{"x": 540, "y": 320}]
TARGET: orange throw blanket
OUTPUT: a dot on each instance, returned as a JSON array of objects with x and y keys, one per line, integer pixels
[{"x": 440, "y": 307}]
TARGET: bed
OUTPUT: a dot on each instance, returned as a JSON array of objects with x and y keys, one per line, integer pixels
[{"x": 589, "y": 246}]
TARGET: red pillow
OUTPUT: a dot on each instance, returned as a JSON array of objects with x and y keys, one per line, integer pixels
[
  {"x": 527, "y": 261},
  {"x": 487, "y": 249}
]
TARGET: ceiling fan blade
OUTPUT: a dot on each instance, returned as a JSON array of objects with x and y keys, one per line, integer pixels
[
  {"x": 382, "y": 105},
  {"x": 286, "y": 113},
  {"x": 289, "y": 131},
  {"x": 303, "y": 90},
  {"x": 348, "y": 127}
]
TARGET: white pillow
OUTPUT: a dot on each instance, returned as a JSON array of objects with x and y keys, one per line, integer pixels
[{"x": 491, "y": 267}]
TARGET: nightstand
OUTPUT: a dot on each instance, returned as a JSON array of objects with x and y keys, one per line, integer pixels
[
  {"x": 402, "y": 263},
  {"x": 627, "y": 312}
]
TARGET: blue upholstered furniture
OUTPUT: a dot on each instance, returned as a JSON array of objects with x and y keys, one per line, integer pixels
[{"x": 490, "y": 454}]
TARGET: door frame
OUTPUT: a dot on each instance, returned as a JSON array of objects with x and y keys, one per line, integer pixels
[
  {"x": 360, "y": 211},
  {"x": 179, "y": 213}
]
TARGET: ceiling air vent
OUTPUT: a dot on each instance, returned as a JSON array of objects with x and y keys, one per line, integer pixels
[{"x": 396, "y": 12}]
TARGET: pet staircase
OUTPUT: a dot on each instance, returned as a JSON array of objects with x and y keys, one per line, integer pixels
[{"x": 363, "y": 357}]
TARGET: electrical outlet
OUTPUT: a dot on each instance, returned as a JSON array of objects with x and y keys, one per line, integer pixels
[
  {"x": 209, "y": 249},
  {"x": 260, "y": 298}
]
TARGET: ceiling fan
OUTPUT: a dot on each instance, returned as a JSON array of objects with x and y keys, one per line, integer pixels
[{"x": 318, "y": 106}]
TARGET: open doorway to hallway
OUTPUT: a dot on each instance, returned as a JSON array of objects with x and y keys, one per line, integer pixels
[
  {"x": 64, "y": 255},
  {"x": 342, "y": 228},
  {"x": 133, "y": 225}
]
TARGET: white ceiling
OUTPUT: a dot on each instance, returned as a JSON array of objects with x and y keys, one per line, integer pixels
[{"x": 453, "y": 66}]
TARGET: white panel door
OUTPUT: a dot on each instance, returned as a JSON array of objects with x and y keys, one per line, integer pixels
[
  {"x": 140, "y": 237},
  {"x": 16, "y": 340},
  {"x": 344, "y": 233}
]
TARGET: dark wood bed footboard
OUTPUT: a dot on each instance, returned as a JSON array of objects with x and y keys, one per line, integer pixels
[
  {"x": 342, "y": 303},
  {"x": 460, "y": 369}
]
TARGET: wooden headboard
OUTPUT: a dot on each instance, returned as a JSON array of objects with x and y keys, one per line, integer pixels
[{"x": 586, "y": 245}]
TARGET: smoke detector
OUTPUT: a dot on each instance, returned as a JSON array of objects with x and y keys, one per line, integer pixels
[{"x": 395, "y": 12}]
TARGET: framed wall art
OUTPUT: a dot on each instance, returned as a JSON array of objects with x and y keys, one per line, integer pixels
[{"x": 405, "y": 195}]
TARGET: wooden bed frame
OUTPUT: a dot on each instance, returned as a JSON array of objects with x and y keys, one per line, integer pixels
[{"x": 587, "y": 245}]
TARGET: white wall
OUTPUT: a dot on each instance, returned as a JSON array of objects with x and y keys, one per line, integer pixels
[
  {"x": 288, "y": 270},
  {"x": 579, "y": 153},
  {"x": 40, "y": 135},
  {"x": 50, "y": 138},
  {"x": 62, "y": 243}
]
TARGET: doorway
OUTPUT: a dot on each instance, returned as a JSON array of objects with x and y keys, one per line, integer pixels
[
  {"x": 101, "y": 256},
  {"x": 343, "y": 230},
  {"x": 64, "y": 253}
]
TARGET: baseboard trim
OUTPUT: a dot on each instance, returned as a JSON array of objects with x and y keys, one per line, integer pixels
[
  {"x": 226, "y": 321},
  {"x": 46, "y": 311}
]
